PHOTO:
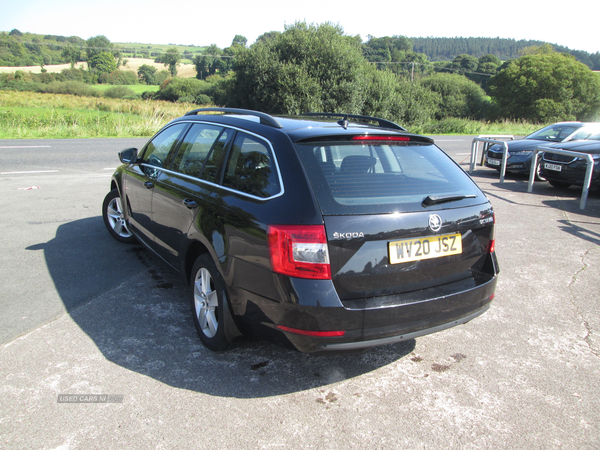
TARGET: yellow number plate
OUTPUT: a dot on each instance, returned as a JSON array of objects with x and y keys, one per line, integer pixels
[{"x": 424, "y": 248}]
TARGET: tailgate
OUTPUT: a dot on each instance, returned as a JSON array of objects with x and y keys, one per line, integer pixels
[{"x": 389, "y": 254}]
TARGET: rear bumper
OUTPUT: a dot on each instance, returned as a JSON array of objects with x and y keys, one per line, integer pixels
[
  {"x": 369, "y": 323},
  {"x": 402, "y": 337}
]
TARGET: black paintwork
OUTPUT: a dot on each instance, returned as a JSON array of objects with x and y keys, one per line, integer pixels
[
  {"x": 179, "y": 217},
  {"x": 573, "y": 169}
]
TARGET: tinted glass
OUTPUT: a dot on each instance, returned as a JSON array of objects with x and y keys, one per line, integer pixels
[
  {"x": 356, "y": 178},
  {"x": 589, "y": 132},
  {"x": 250, "y": 168},
  {"x": 554, "y": 133},
  {"x": 195, "y": 148},
  {"x": 158, "y": 149},
  {"x": 212, "y": 168}
]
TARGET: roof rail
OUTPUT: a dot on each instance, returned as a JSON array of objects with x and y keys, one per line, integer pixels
[
  {"x": 380, "y": 122},
  {"x": 265, "y": 119}
]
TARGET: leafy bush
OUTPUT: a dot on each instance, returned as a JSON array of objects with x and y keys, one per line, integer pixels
[
  {"x": 120, "y": 92},
  {"x": 161, "y": 77},
  {"x": 118, "y": 77},
  {"x": 69, "y": 87},
  {"x": 460, "y": 97},
  {"x": 184, "y": 90},
  {"x": 74, "y": 75}
]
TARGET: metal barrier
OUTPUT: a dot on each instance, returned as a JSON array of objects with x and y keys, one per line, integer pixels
[
  {"x": 588, "y": 171},
  {"x": 487, "y": 138}
]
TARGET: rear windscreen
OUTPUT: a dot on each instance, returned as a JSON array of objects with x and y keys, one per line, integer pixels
[{"x": 359, "y": 178}]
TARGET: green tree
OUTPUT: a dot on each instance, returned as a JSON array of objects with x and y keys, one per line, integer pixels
[
  {"x": 212, "y": 61},
  {"x": 171, "y": 60},
  {"x": 147, "y": 73},
  {"x": 543, "y": 49},
  {"x": 71, "y": 54},
  {"x": 103, "y": 63},
  {"x": 319, "y": 68},
  {"x": 307, "y": 67},
  {"x": 268, "y": 36},
  {"x": 96, "y": 45},
  {"x": 465, "y": 63},
  {"x": 547, "y": 87},
  {"x": 239, "y": 40}
]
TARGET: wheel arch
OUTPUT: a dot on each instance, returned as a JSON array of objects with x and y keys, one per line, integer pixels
[{"x": 194, "y": 250}]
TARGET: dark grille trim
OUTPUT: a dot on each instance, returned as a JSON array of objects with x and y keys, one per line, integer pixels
[{"x": 555, "y": 157}]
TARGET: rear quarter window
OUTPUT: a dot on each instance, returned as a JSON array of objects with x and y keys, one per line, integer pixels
[
  {"x": 251, "y": 168},
  {"x": 354, "y": 178}
]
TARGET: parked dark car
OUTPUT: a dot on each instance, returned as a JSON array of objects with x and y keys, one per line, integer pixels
[
  {"x": 520, "y": 152},
  {"x": 329, "y": 235},
  {"x": 563, "y": 171}
]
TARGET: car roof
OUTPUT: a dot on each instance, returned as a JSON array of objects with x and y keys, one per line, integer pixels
[{"x": 307, "y": 126}]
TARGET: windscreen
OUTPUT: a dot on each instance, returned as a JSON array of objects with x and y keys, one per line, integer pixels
[
  {"x": 554, "y": 133},
  {"x": 373, "y": 178}
]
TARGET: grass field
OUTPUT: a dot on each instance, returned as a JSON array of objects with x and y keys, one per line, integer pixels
[
  {"x": 28, "y": 115},
  {"x": 137, "y": 88}
]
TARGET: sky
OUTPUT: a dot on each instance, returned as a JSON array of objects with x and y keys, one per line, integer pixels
[{"x": 202, "y": 22}]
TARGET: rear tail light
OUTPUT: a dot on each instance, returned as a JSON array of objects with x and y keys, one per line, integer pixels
[
  {"x": 299, "y": 251},
  {"x": 492, "y": 246}
]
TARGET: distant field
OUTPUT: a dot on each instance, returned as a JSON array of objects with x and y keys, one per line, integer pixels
[
  {"x": 137, "y": 88},
  {"x": 128, "y": 49},
  {"x": 133, "y": 64}
]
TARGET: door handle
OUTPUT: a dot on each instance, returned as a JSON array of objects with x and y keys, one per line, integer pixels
[
  {"x": 149, "y": 184},
  {"x": 189, "y": 203}
]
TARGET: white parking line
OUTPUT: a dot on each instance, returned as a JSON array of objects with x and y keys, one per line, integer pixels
[
  {"x": 28, "y": 146},
  {"x": 30, "y": 171}
]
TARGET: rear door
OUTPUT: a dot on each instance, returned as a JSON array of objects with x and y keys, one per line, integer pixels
[
  {"x": 179, "y": 195},
  {"x": 400, "y": 217}
]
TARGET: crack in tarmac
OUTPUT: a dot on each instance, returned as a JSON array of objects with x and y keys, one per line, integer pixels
[{"x": 572, "y": 300}]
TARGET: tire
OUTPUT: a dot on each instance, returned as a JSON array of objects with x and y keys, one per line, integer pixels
[
  {"x": 207, "y": 291},
  {"x": 112, "y": 213},
  {"x": 559, "y": 184}
]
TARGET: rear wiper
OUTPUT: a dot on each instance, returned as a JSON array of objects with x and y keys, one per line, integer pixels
[{"x": 437, "y": 199}]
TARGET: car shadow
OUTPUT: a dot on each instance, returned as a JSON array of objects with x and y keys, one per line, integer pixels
[{"x": 137, "y": 314}]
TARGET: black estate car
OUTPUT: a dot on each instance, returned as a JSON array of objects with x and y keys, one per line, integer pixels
[
  {"x": 520, "y": 152},
  {"x": 328, "y": 234},
  {"x": 563, "y": 171}
]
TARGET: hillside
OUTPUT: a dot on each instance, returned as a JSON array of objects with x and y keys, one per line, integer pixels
[
  {"x": 446, "y": 49},
  {"x": 29, "y": 49}
]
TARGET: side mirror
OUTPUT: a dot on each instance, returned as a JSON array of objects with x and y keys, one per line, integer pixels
[{"x": 128, "y": 155}]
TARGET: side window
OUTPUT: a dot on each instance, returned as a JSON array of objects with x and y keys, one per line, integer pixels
[
  {"x": 250, "y": 167},
  {"x": 195, "y": 148},
  {"x": 212, "y": 167},
  {"x": 157, "y": 150}
]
